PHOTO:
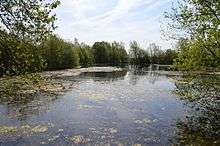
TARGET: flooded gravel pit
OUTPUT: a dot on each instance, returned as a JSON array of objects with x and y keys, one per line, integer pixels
[{"x": 119, "y": 108}]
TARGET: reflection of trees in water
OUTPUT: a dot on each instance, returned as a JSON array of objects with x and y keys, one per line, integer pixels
[
  {"x": 106, "y": 76},
  {"x": 203, "y": 122},
  {"x": 136, "y": 73},
  {"x": 152, "y": 76}
]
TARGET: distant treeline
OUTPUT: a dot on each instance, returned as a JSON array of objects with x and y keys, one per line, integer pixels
[
  {"x": 27, "y": 43},
  {"x": 60, "y": 54},
  {"x": 152, "y": 55},
  {"x": 54, "y": 53},
  {"x": 21, "y": 56}
]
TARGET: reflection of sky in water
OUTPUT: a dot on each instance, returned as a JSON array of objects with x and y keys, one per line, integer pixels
[{"x": 120, "y": 107}]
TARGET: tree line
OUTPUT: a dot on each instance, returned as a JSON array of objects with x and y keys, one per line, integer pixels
[
  {"x": 60, "y": 54},
  {"x": 153, "y": 54},
  {"x": 27, "y": 42},
  {"x": 54, "y": 53}
]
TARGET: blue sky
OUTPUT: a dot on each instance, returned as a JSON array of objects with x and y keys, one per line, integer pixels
[{"x": 109, "y": 20}]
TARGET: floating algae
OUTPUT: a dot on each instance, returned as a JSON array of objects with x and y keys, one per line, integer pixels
[
  {"x": 39, "y": 129},
  {"x": 7, "y": 130},
  {"x": 78, "y": 139},
  {"x": 93, "y": 96},
  {"x": 24, "y": 129},
  {"x": 136, "y": 145}
]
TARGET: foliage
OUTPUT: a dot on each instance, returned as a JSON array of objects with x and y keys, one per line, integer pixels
[
  {"x": 138, "y": 56},
  {"x": 111, "y": 54},
  {"x": 59, "y": 54},
  {"x": 198, "y": 21},
  {"x": 30, "y": 19},
  {"x": 159, "y": 56},
  {"x": 118, "y": 54},
  {"x": 101, "y": 52},
  {"x": 153, "y": 55},
  {"x": 192, "y": 56},
  {"x": 23, "y": 26},
  {"x": 18, "y": 57},
  {"x": 86, "y": 56},
  {"x": 169, "y": 56}
]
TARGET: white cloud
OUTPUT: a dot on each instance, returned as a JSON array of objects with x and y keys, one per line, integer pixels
[{"x": 120, "y": 20}]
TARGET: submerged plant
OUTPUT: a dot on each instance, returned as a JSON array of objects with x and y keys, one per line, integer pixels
[
  {"x": 25, "y": 87},
  {"x": 202, "y": 93}
]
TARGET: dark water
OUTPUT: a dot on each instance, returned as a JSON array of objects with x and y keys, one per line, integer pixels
[{"x": 120, "y": 108}]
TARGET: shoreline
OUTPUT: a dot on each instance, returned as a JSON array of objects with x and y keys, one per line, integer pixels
[
  {"x": 23, "y": 87},
  {"x": 108, "y": 69},
  {"x": 76, "y": 72},
  {"x": 49, "y": 83}
]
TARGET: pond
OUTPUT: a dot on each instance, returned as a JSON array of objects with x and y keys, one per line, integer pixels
[{"x": 119, "y": 108}]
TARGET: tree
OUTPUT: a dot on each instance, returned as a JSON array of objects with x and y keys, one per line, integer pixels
[
  {"x": 169, "y": 56},
  {"x": 101, "y": 52},
  {"x": 155, "y": 53},
  {"x": 199, "y": 21},
  {"x": 192, "y": 56},
  {"x": 118, "y": 54},
  {"x": 70, "y": 58},
  {"x": 85, "y": 54},
  {"x": 144, "y": 58},
  {"x": 23, "y": 25},
  {"x": 138, "y": 56},
  {"x": 134, "y": 52},
  {"x": 31, "y": 19},
  {"x": 18, "y": 57},
  {"x": 110, "y": 53},
  {"x": 59, "y": 54}
]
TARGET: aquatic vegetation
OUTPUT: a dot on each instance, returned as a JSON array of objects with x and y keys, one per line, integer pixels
[
  {"x": 39, "y": 129},
  {"x": 24, "y": 87},
  {"x": 25, "y": 129},
  {"x": 195, "y": 88},
  {"x": 7, "y": 130},
  {"x": 53, "y": 138},
  {"x": 136, "y": 144},
  {"x": 93, "y": 96},
  {"x": 26, "y": 126},
  {"x": 78, "y": 139},
  {"x": 202, "y": 93},
  {"x": 107, "y": 112}
]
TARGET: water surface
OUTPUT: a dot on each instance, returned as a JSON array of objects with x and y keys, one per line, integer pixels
[{"x": 119, "y": 108}]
